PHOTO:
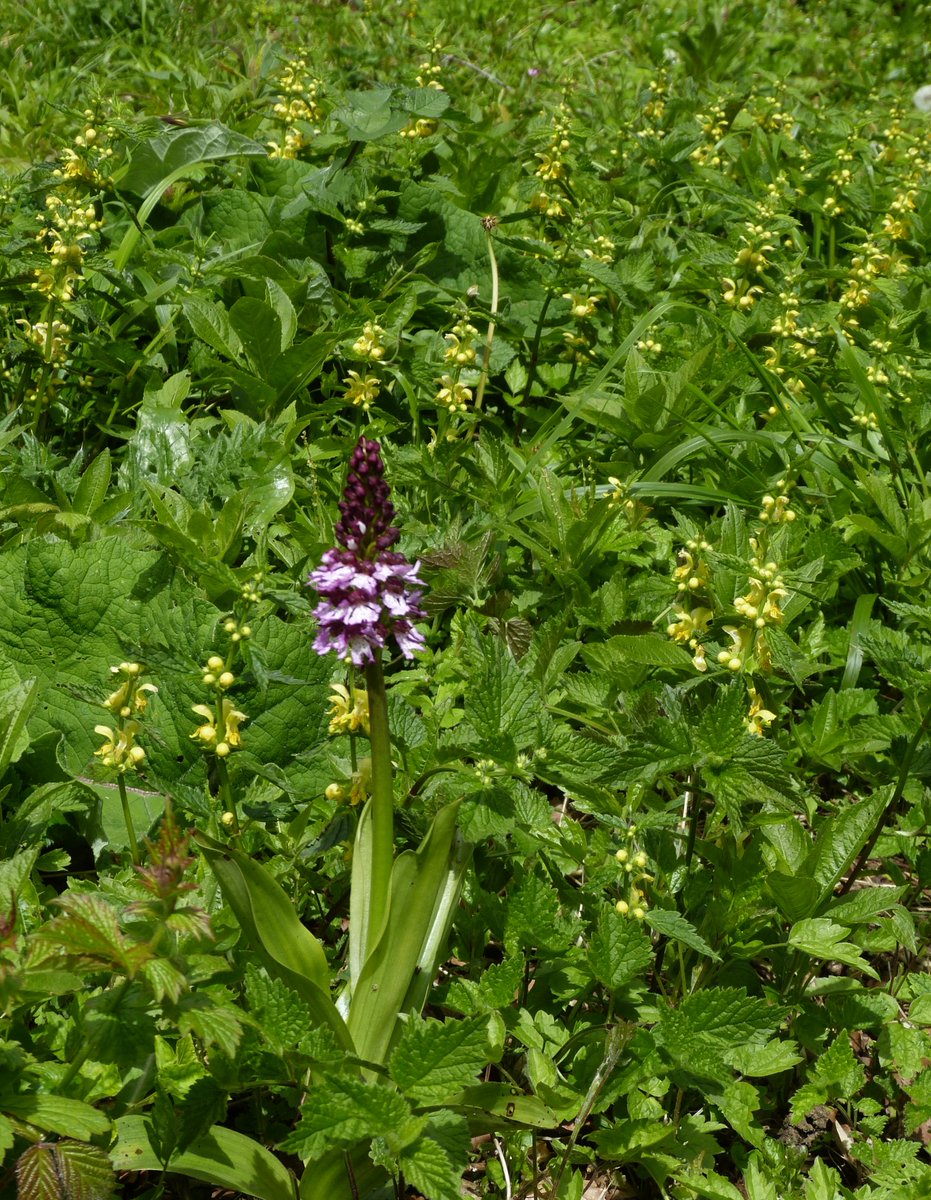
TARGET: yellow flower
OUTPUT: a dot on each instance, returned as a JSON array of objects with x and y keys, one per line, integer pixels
[
  {"x": 131, "y": 696},
  {"x": 226, "y": 734},
  {"x": 458, "y": 351},
  {"x": 362, "y": 392},
  {"x": 350, "y": 713},
  {"x": 550, "y": 167},
  {"x": 688, "y": 624},
  {"x": 453, "y": 395},
  {"x": 733, "y": 659},
  {"x": 758, "y": 717},
  {"x": 119, "y": 750},
  {"x": 582, "y": 306}
]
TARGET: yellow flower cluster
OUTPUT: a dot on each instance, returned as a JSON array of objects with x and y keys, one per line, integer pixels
[
  {"x": 220, "y": 730},
  {"x": 369, "y": 344},
  {"x": 714, "y": 126},
  {"x": 553, "y": 165},
  {"x": 460, "y": 350},
  {"x": 297, "y": 108},
  {"x": 360, "y": 784},
  {"x": 758, "y": 718},
  {"x": 581, "y": 306},
  {"x": 453, "y": 395},
  {"x": 421, "y": 128},
  {"x": 65, "y": 224},
  {"x": 130, "y": 700},
  {"x": 633, "y": 867},
  {"x": 51, "y": 338}
]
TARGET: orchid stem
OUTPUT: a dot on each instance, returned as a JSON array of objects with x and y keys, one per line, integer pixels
[{"x": 382, "y": 796}]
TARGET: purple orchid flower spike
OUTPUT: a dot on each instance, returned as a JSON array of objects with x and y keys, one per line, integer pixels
[{"x": 368, "y": 592}]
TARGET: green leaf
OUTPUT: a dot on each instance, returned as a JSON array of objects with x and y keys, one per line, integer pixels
[
  {"x": 648, "y": 650},
  {"x": 730, "y": 1016},
  {"x": 340, "y": 1111},
  {"x": 273, "y": 928},
  {"x": 823, "y": 1182},
  {"x": 673, "y": 925},
  {"x": 7, "y": 1136},
  {"x": 221, "y": 1157},
  {"x": 759, "y": 1061},
  {"x": 822, "y": 938},
  {"x": 433, "y": 1060},
  {"x": 258, "y": 328},
  {"x": 619, "y": 951},
  {"x": 167, "y": 152},
  {"x": 426, "y": 1165},
  {"x": 836, "y": 1074},
  {"x": 919, "y": 1011},
  {"x": 65, "y": 1170},
  {"x": 493, "y": 990},
  {"x": 841, "y": 838},
  {"x": 57, "y": 1114},
  {"x": 398, "y": 974},
  {"x": 211, "y": 323},
  {"x": 486, "y": 1101},
  {"x": 92, "y": 489},
  {"x": 501, "y": 700}
]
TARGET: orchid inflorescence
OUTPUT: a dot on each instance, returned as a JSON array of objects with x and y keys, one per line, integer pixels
[{"x": 368, "y": 592}]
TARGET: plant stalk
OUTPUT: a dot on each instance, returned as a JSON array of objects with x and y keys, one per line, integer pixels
[
  {"x": 128, "y": 818},
  {"x": 382, "y": 797}
]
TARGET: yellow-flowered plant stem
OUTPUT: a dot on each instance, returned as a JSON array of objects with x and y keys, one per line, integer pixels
[
  {"x": 225, "y": 789},
  {"x": 382, "y": 796},
  {"x": 489, "y": 224},
  {"x": 128, "y": 818}
]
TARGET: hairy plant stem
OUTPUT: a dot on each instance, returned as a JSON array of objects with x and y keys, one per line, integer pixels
[
  {"x": 128, "y": 818},
  {"x": 382, "y": 795},
  {"x": 489, "y": 224}
]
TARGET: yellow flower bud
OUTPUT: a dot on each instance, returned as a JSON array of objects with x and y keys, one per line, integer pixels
[
  {"x": 222, "y": 749},
  {"x": 622, "y": 907},
  {"x": 227, "y": 679},
  {"x": 215, "y": 663}
]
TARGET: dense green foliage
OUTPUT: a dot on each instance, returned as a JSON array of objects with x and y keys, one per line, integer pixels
[{"x": 635, "y": 298}]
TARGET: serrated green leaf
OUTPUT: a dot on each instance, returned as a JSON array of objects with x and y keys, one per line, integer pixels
[
  {"x": 673, "y": 925},
  {"x": 433, "y": 1060},
  {"x": 836, "y": 1074},
  {"x": 340, "y": 1111},
  {"x": 841, "y": 837},
  {"x": 501, "y": 700},
  {"x": 58, "y": 1114},
  {"x": 427, "y": 1166},
  {"x": 759, "y": 1061},
  {"x": 619, "y": 951},
  {"x": 732, "y": 1017},
  {"x": 493, "y": 990}
]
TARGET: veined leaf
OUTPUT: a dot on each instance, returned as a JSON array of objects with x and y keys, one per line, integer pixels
[
  {"x": 222, "y": 1157},
  {"x": 271, "y": 925},
  {"x": 399, "y": 972},
  {"x": 65, "y": 1170}
]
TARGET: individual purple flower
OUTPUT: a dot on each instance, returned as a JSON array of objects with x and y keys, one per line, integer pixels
[{"x": 368, "y": 592}]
